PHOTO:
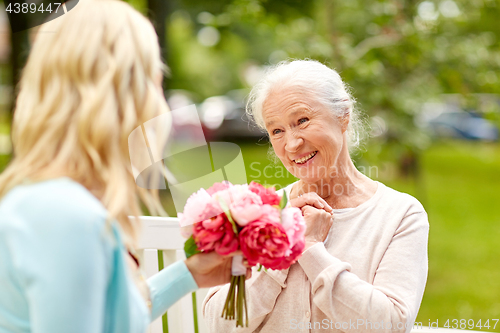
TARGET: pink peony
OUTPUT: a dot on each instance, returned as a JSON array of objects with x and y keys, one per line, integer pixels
[
  {"x": 265, "y": 243},
  {"x": 215, "y": 234},
  {"x": 228, "y": 244},
  {"x": 268, "y": 195},
  {"x": 294, "y": 225},
  {"x": 218, "y": 187},
  {"x": 245, "y": 206},
  {"x": 270, "y": 214},
  {"x": 294, "y": 255},
  {"x": 228, "y": 195},
  {"x": 199, "y": 206}
]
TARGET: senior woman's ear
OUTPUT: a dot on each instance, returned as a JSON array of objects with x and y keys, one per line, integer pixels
[{"x": 344, "y": 121}]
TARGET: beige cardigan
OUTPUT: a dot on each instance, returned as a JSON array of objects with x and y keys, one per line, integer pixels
[{"x": 368, "y": 276}]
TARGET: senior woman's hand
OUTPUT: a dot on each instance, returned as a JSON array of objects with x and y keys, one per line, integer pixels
[
  {"x": 311, "y": 199},
  {"x": 318, "y": 224},
  {"x": 317, "y": 214}
]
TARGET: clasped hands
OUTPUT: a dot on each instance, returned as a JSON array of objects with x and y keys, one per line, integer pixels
[{"x": 318, "y": 215}]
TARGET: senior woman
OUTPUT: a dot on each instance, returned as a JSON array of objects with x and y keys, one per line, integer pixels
[{"x": 364, "y": 266}]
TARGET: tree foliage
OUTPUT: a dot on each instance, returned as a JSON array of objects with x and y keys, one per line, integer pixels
[{"x": 394, "y": 54}]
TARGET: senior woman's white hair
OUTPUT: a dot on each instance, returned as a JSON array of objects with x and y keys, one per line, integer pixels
[{"x": 316, "y": 78}]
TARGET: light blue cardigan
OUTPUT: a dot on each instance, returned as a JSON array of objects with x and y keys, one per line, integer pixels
[{"x": 63, "y": 268}]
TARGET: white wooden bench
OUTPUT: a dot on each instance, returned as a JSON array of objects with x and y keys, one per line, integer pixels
[{"x": 161, "y": 235}]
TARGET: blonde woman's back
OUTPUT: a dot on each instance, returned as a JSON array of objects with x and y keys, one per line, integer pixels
[
  {"x": 62, "y": 268},
  {"x": 89, "y": 81},
  {"x": 67, "y": 195}
]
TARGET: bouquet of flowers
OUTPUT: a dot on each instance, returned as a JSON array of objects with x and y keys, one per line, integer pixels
[{"x": 250, "y": 218}]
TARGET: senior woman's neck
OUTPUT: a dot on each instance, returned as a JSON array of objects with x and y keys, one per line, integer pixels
[{"x": 343, "y": 187}]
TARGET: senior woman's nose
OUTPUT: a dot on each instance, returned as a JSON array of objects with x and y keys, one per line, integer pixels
[{"x": 293, "y": 143}]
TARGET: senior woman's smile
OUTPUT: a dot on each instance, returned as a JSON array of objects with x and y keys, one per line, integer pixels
[
  {"x": 305, "y": 135},
  {"x": 301, "y": 161}
]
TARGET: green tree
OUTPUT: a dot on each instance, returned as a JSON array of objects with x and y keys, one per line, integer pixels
[{"x": 394, "y": 54}]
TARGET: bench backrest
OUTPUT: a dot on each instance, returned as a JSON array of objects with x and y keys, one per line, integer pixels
[{"x": 161, "y": 244}]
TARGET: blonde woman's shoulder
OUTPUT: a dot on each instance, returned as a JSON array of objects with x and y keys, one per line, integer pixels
[{"x": 55, "y": 204}]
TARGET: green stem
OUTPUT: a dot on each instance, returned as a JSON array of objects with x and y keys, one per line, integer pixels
[
  {"x": 227, "y": 305},
  {"x": 236, "y": 304},
  {"x": 239, "y": 303},
  {"x": 245, "y": 303}
]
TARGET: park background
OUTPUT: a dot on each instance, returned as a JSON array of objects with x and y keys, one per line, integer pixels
[{"x": 405, "y": 62}]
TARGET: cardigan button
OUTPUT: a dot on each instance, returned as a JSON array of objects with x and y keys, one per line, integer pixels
[{"x": 308, "y": 314}]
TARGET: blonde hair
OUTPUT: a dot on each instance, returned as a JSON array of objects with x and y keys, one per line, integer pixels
[{"x": 88, "y": 83}]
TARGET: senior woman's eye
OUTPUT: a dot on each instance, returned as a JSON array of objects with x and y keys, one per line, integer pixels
[
  {"x": 303, "y": 120},
  {"x": 276, "y": 131}
]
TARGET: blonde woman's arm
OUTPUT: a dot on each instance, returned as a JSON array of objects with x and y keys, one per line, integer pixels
[{"x": 201, "y": 270}]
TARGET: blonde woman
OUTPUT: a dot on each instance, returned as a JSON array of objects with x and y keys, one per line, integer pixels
[{"x": 92, "y": 77}]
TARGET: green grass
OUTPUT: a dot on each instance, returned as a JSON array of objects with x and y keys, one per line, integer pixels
[
  {"x": 462, "y": 183},
  {"x": 460, "y": 189}
]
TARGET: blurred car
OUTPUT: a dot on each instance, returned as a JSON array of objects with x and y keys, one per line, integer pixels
[
  {"x": 448, "y": 120},
  {"x": 185, "y": 117},
  {"x": 224, "y": 117}
]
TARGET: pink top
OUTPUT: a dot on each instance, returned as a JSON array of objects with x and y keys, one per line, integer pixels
[{"x": 368, "y": 276}]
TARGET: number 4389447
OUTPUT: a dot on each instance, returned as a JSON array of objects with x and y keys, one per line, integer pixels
[
  {"x": 17, "y": 8},
  {"x": 471, "y": 324}
]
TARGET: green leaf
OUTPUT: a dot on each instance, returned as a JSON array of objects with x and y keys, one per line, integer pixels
[
  {"x": 284, "y": 200},
  {"x": 190, "y": 247}
]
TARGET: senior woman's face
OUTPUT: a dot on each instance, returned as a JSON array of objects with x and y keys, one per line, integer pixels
[{"x": 305, "y": 135}]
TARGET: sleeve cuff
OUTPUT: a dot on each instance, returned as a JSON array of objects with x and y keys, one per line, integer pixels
[
  {"x": 316, "y": 259},
  {"x": 189, "y": 283},
  {"x": 169, "y": 286}
]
